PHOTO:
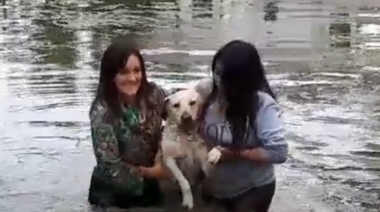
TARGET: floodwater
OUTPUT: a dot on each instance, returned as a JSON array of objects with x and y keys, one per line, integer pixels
[{"x": 322, "y": 58}]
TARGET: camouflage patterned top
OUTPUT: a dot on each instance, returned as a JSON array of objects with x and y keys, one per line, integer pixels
[{"x": 133, "y": 140}]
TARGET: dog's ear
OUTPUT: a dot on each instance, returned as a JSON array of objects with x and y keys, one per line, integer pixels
[{"x": 164, "y": 113}]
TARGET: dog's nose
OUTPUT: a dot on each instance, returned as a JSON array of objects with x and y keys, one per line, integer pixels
[{"x": 186, "y": 117}]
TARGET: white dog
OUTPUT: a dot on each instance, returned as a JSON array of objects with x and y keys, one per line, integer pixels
[{"x": 183, "y": 150}]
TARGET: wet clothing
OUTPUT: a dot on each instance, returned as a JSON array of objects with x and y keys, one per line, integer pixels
[
  {"x": 237, "y": 177},
  {"x": 120, "y": 145},
  {"x": 256, "y": 199},
  {"x": 104, "y": 194}
]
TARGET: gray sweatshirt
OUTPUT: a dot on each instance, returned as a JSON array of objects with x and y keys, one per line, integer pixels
[{"x": 233, "y": 177}]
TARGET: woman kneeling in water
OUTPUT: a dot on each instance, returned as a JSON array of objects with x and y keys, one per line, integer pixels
[
  {"x": 242, "y": 119},
  {"x": 126, "y": 130}
]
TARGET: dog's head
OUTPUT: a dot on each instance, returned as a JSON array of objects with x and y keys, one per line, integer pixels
[{"x": 182, "y": 107}]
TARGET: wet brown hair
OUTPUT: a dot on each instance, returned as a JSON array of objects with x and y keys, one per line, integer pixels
[{"x": 114, "y": 59}]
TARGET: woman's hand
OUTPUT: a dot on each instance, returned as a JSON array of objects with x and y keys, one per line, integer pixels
[
  {"x": 218, "y": 153},
  {"x": 147, "y": 172},
  {"x": 228, "y": 153},
  {"x": 157, "y": 171},
  {"x": 214, "y": 155}
]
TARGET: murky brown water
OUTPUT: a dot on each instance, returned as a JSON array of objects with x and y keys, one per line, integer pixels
[{"x": 322, "y": 57}]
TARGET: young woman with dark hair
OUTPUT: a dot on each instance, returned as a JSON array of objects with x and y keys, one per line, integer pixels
[
  {"x": 241, "y": 118},
  {"x": 126, "y": 122}
]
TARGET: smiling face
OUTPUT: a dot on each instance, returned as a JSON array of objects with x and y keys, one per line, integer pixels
[
  {"x": 128, "y": 79},
  {"x": 182, "y": 107}
]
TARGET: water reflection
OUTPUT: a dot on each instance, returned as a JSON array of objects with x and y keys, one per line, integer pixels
[
  {"x": 271, "y": 9},
  {"x": 340, "y": 33},
  {"x": 321, "y": 59},
  {"x": 84, "y": 74},
  {"x": 202, "y": 8},
  {"x": 3, "y": 3}
]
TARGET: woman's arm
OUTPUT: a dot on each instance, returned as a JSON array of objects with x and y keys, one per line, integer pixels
[
  {"x": 270, "y": 132},
  {"x": 158, "y": 171},
  {"x": 106, "y": 148}
]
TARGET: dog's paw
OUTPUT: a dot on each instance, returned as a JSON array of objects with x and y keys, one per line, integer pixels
[
  {"x": 188, "y": 200},
  {"x": 214, "y": 155}
]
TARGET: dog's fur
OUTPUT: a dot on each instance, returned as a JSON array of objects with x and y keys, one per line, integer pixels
[{"x": 183, "y": 151}]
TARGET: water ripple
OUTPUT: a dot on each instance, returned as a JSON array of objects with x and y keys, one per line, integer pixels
[{"x": 324, "y": 68}]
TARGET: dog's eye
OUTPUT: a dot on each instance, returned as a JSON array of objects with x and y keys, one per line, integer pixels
[
  {"x": 192, "y": 103},
  {"x": 176, "y": 105}
]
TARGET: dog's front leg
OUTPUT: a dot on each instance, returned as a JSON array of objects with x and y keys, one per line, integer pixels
[{"x": 187, "y": 196}]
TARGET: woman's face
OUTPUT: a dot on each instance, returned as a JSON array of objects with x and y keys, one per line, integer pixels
[{"x": 128, "y": 80}]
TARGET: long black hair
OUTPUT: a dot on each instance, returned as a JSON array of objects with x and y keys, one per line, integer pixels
[
  {"x": 242, "y": 75},
  {"x": 114, "y": 59}
]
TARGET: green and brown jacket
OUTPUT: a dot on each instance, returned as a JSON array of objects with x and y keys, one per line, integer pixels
[{"x": 132, "y": 140}]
